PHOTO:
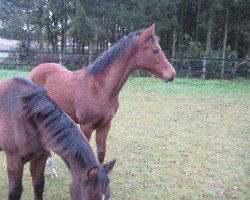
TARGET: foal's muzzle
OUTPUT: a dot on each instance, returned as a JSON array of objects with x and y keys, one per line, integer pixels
[{"x": 169, "y": 79}]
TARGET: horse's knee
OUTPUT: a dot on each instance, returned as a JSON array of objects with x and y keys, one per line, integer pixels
[
  {"x": 101, "y": 151},
  {"x": 15, "y": 192},
  {"x": 101, "y": 155}
]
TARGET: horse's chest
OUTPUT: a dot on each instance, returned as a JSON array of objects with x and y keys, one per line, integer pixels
[
  {"x": 100, "y": 114},
  {"x": 106, "y": 113},
  {"x": 110, "y": 112}
]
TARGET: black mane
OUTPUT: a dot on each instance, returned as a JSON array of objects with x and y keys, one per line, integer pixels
[{"x": 107, "y": 57}]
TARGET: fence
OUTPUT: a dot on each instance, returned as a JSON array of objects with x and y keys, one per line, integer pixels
[
  {"x": 28, "y": 60},
  {"x": 205, "y": 68},
  {"x": 215, "y": 68}
]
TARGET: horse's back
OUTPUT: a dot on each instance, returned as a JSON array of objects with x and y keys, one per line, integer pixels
[
  {"x": 11, "y": 93},
  {"x": 11, "y": 90},
  {"x": 40, "y": 73},
  {"x": 11, "y": 120}
]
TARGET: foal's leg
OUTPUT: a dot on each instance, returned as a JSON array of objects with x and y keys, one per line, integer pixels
[
  {"x": 15, "y": 175},
  {"x": 101, "y": 138},
  {"x": 50, "y": 165},
  {"x": 37, "y": 167},
  {"x": 87, "y": 129}
]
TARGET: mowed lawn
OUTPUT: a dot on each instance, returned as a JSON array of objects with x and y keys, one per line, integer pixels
[{"x": 186, "y": 140}]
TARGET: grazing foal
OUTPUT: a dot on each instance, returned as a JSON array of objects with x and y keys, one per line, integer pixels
[{"x": 30, "y": 125}]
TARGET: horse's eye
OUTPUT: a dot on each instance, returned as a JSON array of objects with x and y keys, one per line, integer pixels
[{"x": 156, "y": 50}]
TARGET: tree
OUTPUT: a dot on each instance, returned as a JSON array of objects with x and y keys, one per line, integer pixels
[
  {"x": 17, "y": 20},
  {"x": 98, "y": 23}
]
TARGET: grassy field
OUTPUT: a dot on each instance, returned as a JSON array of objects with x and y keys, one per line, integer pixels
[{"x": 186, "y": 140}]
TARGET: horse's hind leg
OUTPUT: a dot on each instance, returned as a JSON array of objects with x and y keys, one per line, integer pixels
[
  {"x": 15, "y": 175},
  {"x": 50, "y": 165},
  {"x": 37, "y": 167}
]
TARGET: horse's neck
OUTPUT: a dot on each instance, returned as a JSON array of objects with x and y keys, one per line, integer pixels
[
  {"x": 114, "y": 76},
  {"x": 73, "y": 165}
]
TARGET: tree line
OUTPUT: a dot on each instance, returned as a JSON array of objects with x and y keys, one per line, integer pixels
[{"x": 187, "y": 28}]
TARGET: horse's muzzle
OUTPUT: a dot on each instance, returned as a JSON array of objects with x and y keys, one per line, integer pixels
[{"x": 168, "y": 79}]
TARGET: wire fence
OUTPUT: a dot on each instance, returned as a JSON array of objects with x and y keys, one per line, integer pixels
[{"x": 205, "y": 68}]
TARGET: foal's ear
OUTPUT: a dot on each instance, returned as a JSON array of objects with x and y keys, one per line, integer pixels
[
  {"x": 147, "y": 33},
  {"x": 91, "y": 174},
  {"x": 109, "y": 165}
]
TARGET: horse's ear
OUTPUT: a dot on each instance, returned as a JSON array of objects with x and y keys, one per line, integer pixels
[
  {"x": 109, "y": 165},
  {"x": 147, "y": 33},
  {"x": 91, "y": 174}
]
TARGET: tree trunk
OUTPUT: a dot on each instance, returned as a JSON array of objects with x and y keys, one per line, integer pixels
[
  {"x": 237, "y": 32},
  {"x": 197, "y": 22},
  {"x": 83, "y": 46},
  {"x": 62, "y": 37},
  {"x": 222, "y": 75},
  {"x": 210, "y": 26},
  {"x": 73, "y": 43},
  {"x": 173, "y": 46}
]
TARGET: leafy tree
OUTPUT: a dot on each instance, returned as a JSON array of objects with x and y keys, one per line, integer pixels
[{"x": 211, "y": 25}]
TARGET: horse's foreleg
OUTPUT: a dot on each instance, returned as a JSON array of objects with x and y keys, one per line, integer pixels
[
  {"x": 37, "y": 167},
  {"x": 15, "y": 175},
  {"x": 101, "y": 138},
  {"x": 87, "y": 129}
]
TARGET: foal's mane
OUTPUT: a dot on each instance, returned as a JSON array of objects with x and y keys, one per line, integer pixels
[{"x": 108, "y": 56}]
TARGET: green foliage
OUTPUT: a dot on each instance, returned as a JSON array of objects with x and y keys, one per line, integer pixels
[
  {"x": 80, "y": 23},
  {"x": 82, "y": 27}
]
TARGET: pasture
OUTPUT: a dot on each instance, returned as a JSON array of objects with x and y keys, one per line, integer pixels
[{"x": 184, "y": 140}]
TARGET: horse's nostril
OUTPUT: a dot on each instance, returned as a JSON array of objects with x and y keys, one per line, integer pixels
[{"x": 166, "y": 79}]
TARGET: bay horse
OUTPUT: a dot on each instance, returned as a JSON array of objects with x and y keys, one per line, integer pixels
[
  {"x": 30, "y": 125},
  {"x": 90, "y": 95}
]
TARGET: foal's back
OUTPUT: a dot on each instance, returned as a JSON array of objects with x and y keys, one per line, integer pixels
[
  {"x": 15, "y": 133},
  {"x": 61, "y": 85}
]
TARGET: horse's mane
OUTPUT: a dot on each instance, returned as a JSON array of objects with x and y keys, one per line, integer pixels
[{"x": 108, "y": 56}]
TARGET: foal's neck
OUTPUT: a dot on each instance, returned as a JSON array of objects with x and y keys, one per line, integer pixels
[
  {"x": 74, "y": 166},
  {"x": 115, "y": 75}
]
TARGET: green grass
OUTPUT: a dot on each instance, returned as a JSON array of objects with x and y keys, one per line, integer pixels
[
  {"x": 185, "y": 140},
  {"x": 6, "y": 74},
  {"x": 3, "y": 55}
]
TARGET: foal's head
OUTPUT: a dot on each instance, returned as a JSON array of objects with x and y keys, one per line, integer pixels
[
  {"x": 149, "y": 56},
  {"x": 92, "y": 184}
]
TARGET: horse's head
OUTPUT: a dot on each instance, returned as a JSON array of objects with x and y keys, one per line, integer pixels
[
  {"x": 150, "y": 57},
  {"x": 92, "y": 184}
]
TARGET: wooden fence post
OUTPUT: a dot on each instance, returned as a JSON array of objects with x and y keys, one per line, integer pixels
[
  {"x": 60, "y": 58},
  {"x": 91, "y": 51},
  {"x": 222, "y": 72},
  {"x": 17, "y": 55},
  {"x": 204, "y": 69}
]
